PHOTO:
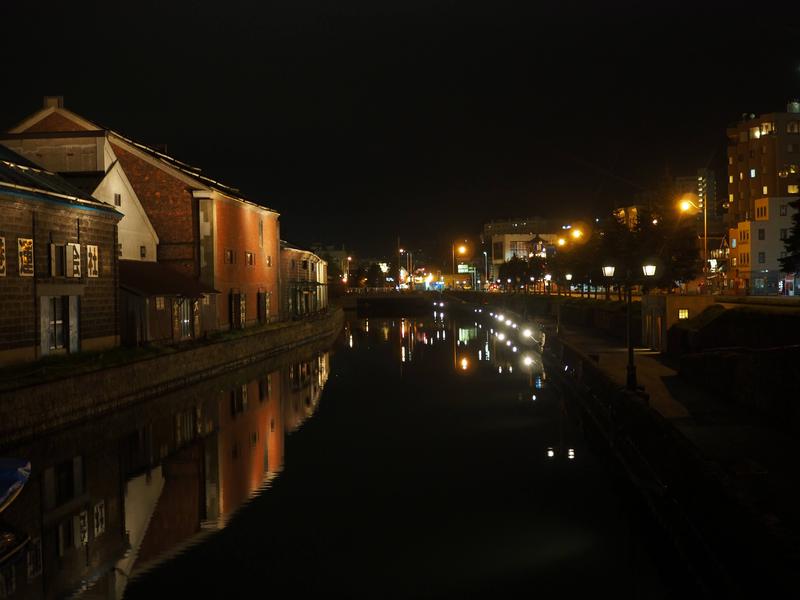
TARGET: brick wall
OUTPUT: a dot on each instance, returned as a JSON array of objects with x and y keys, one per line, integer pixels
[
  {"x": 34, "y": 410},
  {"x": 46, "y": 222},
  {"x": 237, "y": 229},
  {"x": 55, "y": 122},
  {"x": 169, "y": 205}
]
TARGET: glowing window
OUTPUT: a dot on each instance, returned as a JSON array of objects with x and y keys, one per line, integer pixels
[
  {"x": 793, "y": 188},
  {"x": 683, "y": 313}
]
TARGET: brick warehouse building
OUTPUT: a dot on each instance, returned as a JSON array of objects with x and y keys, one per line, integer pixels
[
  {"x": 206, "y": 230},
  {"x": 58, "y": 265}
]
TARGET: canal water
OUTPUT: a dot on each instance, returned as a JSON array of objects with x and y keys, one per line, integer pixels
[{"x": 418, "y": 457}]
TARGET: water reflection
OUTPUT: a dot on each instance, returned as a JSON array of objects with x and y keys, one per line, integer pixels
[{"x": 108, "y": 500}]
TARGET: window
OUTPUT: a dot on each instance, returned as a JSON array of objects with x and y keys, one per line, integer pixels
[
  {"x": 763, "y": 149},
  {"x": 791, "y": 147},
  {"x": 57, "y": 321},
  {"x": 792, "y": 127},
  {"x": 741, "y": 175},
  {"x": 792, "y": 188},
  {"x": 206, "y": 300},
  {"x": 159, "y": 302},
  {"x": 761, "y": 233},
  {"x": 765, "y": 190},
  {"x": 762, "y": 258},
  {"x": 752, "y": 173},
  {"x": 187, "y": 318},
  {"x": 260, "y": 233},
  {"x": 63, "y": 482},
  {"x": 99, "y": 514},
  {"x": 305, "y": 265},
  {"x": 730, "y": 160},
  {"x": 730, "y": 198},
  {"x": 230, "y": 257},
  {"x": 142, "y": 251},
  {"x": 8, "y": 581},
  {"x": 119, "y": 250},
  {"x": 755, "y": 133},
  {"x": 269, "y": 261},
  {"x": 784, "y": 234},
  {"x": 34, "y": 556},
  {"x": 730, "y": 178},
  {"x": 783, "y": 210},
  {"x": 58, "y": 258},
  {"x": 250, "y": 259},
  {"x": 117, "y": 199},
  {"x": 683, "y": 313}
]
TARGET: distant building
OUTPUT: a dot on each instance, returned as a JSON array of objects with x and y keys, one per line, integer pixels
[
  {"x": 58, "y": 265},
  {"x": 304, "y": 282},
  {"x": 757, "y": 244},
  {"x": 763, "y": 177},
  {"x": 503, "y": 240},
  {"x": 193, "y": 225}
]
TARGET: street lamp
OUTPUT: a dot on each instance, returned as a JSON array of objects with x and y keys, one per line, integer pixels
[
  {"x": 485, "y": 266},
  {"x": 462, "y": 249},
  {"x": 648, "y": 270},
  {"x": 685, "y": 206}
]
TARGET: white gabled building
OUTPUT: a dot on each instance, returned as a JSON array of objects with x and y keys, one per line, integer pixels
[{"x": 85, "y": 158}]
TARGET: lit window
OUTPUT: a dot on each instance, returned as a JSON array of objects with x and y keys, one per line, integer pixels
[
  {"x": 230, "y": 257},
  {"x": 755, "y": 133},
  {"x": 730, "y": 160},
  {"x": 741, "y": 176},
  {"x": 683, "y": 313},
  {"x": 730, "y": 197},
  {"x": 793, "y": 188},
  {"x": 730, "y": 178},
  {"x": 250, "y": 258},
  {"x": 792, "y": 127},
  {"x": 752, "y": 173},
  {"x": 159, "y": 302},
  {"x": 765, "y": 190},
  {"x": 269, "y": 261}
]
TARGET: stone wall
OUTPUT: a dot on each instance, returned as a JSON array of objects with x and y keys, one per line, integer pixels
[{"x": 37, "y": 409}]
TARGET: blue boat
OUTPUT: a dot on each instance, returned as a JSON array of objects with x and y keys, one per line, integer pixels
[{"x": 14, "y": 474}]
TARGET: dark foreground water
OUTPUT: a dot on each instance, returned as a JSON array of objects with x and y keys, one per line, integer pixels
[{"x": 418, "y": 458}]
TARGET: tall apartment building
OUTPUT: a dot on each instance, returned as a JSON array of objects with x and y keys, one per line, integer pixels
[{"x": 763, "y": 177}]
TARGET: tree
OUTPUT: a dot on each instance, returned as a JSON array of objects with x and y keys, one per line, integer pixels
[
  {"x": 515, "y": 270},
  {"x": 375, "y": 277},
  {"x": 791, "y": 262}
]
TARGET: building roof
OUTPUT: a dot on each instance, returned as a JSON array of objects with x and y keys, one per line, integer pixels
[
  {"x": 88, "y": 181},
  {"x": 21, "y": 131},
  {"x": 154, "y": 279},
  {"x": 19, "y": 174}
]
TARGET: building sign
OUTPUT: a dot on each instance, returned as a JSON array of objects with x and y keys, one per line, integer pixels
[
  {"x": 73, "y": 260},
  {"x": 462, "y": 268},
  {"x": 25, "y": 250},
  {"x": 92, "y": 261},
  {"x": 2, "y": 257}
]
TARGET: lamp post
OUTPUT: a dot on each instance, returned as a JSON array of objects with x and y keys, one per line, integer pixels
[
  {"x": 687, "y": 205},
  {"x": 462, "y": 249},
  {"x": 648, "y": 270},
  {"x": 485, "y": 266}
]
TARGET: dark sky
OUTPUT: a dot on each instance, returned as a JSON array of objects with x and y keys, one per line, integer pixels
[{"x": 362, "y": 121}]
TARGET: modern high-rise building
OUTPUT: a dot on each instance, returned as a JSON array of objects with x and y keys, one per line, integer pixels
[{"x": 763, "y": 178}]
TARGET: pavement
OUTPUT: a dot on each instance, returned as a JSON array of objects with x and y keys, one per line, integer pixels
[{"x": 757, "y": 456}]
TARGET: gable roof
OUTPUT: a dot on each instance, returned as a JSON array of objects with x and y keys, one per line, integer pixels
[
  {"x": 186, "y": 171},
  {"x": 19, "y": 174}
]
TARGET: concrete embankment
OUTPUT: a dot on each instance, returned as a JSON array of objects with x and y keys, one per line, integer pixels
[{"x": 35, "y": 409}]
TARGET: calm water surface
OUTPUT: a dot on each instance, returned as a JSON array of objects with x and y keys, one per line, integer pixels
[{"x": 418, "y": 457}]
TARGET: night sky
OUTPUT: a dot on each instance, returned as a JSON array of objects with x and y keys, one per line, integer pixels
[{"x": 362, "y": 121}]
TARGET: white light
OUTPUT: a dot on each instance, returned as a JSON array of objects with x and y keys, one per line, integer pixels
[
  {"x": 500, "y": 370},
  {"x": 550, "y": 453},
  {"x": 649, "y": 270},
  {"x": 508, "y": 321},
  {"x": 501, "y": 336},
  {"x": 514, "y": 325},
  {"x": 499, "y": 316},
  {"x": 514, "y": 348},
  {"x": 528, "y": 361},
  {"x": 508, "y": 343},
  {"x": 608, "y": 270},
  {"x": 527, "y": 333},
  {"x": 533, "y": 397},
  {"x": 441, "y": 303}
]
